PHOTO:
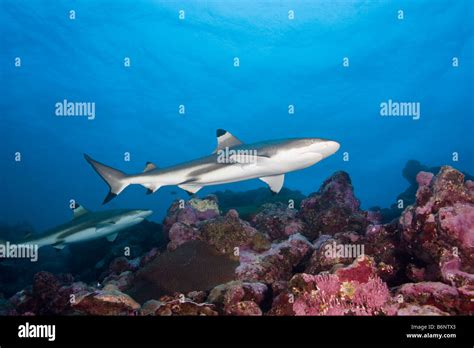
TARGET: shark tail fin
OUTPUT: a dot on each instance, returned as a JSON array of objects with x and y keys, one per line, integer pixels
[{"x": 114, "y": 178}]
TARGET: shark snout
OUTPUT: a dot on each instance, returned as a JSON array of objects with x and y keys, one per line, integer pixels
[
  {"x": 330, "y": 148},
  {"x": 325, "y": 147}
]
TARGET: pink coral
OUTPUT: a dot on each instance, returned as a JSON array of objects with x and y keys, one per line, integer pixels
[
  {"x": 332, "y": 296},
  {"x": 328, "y": 284},
  {"x": 370, "y": 298}
]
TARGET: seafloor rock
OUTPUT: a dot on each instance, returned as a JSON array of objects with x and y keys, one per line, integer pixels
[
  {"x": 122, "y": 264},
  {"x": 361, "y": 270},
  {"x": 442, "y": 220},
  {"x": 47, "y": 296},
  {"x": 181, "y": 233},
  {"x": 334, "y": 251},
  {"x": 275, "y": 264},
  {"x": 226, "y": 233},
  {"x": 425, "y": 310},
  {"x": 197, "y": 296},
  {"x": 451, "y": 273},
  {"x": 178, "y": 306},
  {"x": 410, "y": 172},
  {"x": 239, "y": 298},
  {"x": 108, "y": 301},
  {"x": 282, "y": 305},
  {"x": 243, "y": 308},
  {"x": 332, "y": 209},
  {"x": 278, "y": 221},
  {"x": 415, "y": 273},
  {"x": 193, "y": 266},
  {"x": 437, "y": 294},
  {"x": 382, "y": 242},
  {"x": 122, "y": 281},
  {"x": 191, "y": 212},
  {"x": 150, "y": 307}
]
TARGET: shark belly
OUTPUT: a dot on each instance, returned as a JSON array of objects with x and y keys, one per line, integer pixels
[
  {"x": 263, "y": 167},
  {"x": 238, "y": 172},
  {"x": 83, "y": 235}
]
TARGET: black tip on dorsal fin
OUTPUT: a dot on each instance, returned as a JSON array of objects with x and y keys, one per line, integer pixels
[
  {"x": 109, "y": 197},
  {"x": 149, "y": 166},
  {"x": 220, "y": 132},
  {"x": 149, "y": 192}
]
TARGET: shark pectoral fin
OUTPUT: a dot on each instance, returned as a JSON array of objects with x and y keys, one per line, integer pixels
[
  {"x": 275, "y": 182},
  {"x": 191, "y": 189},
  {"x": 78, "y": 211},
  {"x": 149, "y": 166},
  {"x": 59, "y": 245},
  {"x": 225, "y": 139},
  {"x": 112, "y": 237}
]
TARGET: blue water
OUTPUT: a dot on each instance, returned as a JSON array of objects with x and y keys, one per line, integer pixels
[{"x": 191, "y": 62}]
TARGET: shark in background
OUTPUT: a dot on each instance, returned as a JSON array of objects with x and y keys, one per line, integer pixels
[
  {"x": 232, "y": 161},
  {"x": 87, "y": 225}
]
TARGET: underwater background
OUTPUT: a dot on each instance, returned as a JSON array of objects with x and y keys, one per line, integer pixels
[{"x": 190, "y": 62}]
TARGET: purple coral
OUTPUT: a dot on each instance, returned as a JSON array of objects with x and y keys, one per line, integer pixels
[{"x": 327, "y": 294}]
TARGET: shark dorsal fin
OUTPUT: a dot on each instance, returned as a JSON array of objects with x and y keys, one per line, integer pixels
[
  {"x": 225, "y": 139},
  {"x": 78, "y": 211},
  {"x": 149, "y": 166}
]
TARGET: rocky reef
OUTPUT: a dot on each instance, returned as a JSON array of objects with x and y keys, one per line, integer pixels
[{"x": 322, "y": 256}]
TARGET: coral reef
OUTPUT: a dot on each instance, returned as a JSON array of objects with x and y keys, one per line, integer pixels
[
  {"x": 441, "y": 223},
  {"x": 275, "y": 264},
  {"x": 278, "y": 221},
  {"x": 229, "y": 232},
  {"x": 327, "y": 257},
  {"x": 177, "y": 306},
  {"x": 408, "y": 197},
  {"x": 239, "y": 298},
  {"x": 190, "y": 212},
  {"x": 353, "y": 290},
  {"x": 334, "y": 208}
]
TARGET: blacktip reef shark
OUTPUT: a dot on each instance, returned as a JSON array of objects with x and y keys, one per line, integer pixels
[
  {"x": 87, "y": 225},
  {"x": 232, "y": 161}
]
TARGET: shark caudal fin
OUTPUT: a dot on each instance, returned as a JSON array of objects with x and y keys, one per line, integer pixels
[{"x": 114, "y": 178}]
